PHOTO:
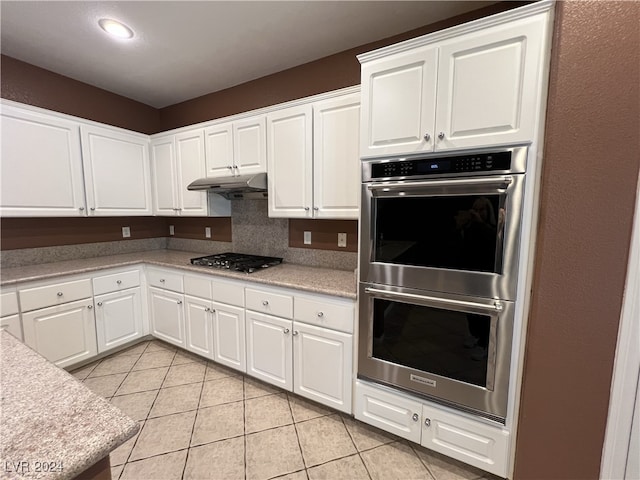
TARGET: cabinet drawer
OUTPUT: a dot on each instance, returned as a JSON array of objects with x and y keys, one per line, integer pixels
[
  {"x": 229, "y": 293},
  {"x": 8, "y": 304},
  {"x": 116, "y": 282},
  {"x": 197, "y": 286},
  {"x": 51, "y": 295},
  {"x": 166, "y": 280},
  {"x": 325, "y": 313},
  {"x": 269, "y": 302}
]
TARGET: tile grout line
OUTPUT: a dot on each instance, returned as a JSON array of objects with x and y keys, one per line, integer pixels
[
  {"x": 422, "y": 461},
  {"x": 244, "y": 426},
  {"x": 193, "y": 427},
  {"x": 295, "y": 429},
  {"x": 356, "y": 447}
]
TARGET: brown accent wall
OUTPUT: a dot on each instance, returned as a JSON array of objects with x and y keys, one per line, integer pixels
[
  {"x": 324, "y": 234},
  {"x": 323, "y": 75},
  {"x": 26, "y": 83},
  {"x": 591, "y": 164},
  {"x": 194, "y": 227}
]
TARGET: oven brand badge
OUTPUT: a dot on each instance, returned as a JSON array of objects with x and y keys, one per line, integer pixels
[{"x": 426, "y": 381}]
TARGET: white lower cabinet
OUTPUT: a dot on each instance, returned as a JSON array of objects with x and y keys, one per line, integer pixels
[
  {"x": 63, "y": 334},
  {"x": 456, "y": 435},
  {"x": 269, "y": 349},
  {"x": 229, "y": 336},
  {"x": 198, "y": 326},
  {"x": 167, "y": 315},
  {"x": 10, "y": 314},
  {"x": 12, "y": 324},
  {"x": 118, "y": 318}
]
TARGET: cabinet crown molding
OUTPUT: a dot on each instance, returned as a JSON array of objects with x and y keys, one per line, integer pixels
[{"x": 541, "y": 7}]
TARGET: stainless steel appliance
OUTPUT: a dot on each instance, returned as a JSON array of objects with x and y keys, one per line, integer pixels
[
  {"x": 239, "y": 262},
  {"x": 438, "y": 275}
]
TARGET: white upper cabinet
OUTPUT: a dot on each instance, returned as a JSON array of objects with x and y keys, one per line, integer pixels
[
  {"x": 177, "y": 160},
  {"x": 41, "y": 165},
  {"x": 313, "y": 161},
  {"x": 398, "y": 103},
  {"x": 476, "y": 85},
  {"x": 236, "y": 148},
  {"x": 116, "y": 172}
]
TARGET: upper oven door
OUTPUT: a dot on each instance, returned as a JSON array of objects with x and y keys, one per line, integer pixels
[{"x": 456, "y": 235}]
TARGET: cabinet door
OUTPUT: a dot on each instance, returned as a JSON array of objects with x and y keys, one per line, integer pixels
[
  {"x": 167, "y": 315},
  {"x": 289, "y": 156},
  {"x": 489, "y": 85},
  {"x": 269, "y": 349},
  {"x": 41, "y": 164},
  {"x": 398, "y": 103},
  {"x": 336, "y": 157},
  {"x": 163, "y": 176},
  {"x": 118, "y": 318},
  {"x": 229, "y": 336},
  {"x": 190, "y": 166},
  {"x": 12, "y": 324},
  {"x": 322, "y": 365},
  {"x": 390, "y": 412},
  {"x": 478, "y": 444},
  {"x": 219, "y": 150},
  {"x": 199, "y": 326},
  {"x": 249, "y": 146},
  {"x": 116, "y": 172},
  {"x": 65, "y": 334}
]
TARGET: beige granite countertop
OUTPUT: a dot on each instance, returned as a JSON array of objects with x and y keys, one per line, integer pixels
[
  {"x": 49, "y": 420},
  {"x": 312, "y": 279}
]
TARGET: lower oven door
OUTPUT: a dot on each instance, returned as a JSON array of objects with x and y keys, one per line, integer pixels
[{"x": 453, "y": 349}]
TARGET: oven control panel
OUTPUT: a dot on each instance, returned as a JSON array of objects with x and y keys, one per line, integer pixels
[{"x": 473, "y": 163}]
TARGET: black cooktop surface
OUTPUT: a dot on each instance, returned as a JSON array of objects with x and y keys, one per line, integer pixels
[{"x": 239, "y": 262}]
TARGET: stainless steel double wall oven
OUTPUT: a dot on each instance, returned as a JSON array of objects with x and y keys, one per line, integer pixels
[{"x": 440, "y": 237}]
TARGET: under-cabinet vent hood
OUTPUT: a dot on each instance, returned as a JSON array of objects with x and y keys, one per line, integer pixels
[{"x": 240, "y": 187}]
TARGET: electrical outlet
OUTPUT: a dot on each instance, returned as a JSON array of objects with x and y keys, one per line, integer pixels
[
  {"x": 126, "y": 232},
  {"x": 207, "y": 232},
  {"x": 307, "y": 238},
  {"x": 342, "y": 240},
  {"x": 172, "y": 230}
]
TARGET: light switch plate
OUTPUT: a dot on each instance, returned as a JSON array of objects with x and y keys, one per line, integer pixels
[
  {"x": 307, "y": 238},
  {"x": 207, "y": 232},
  {"x": 172, "y": 230},
  {"x": 126, "y": 232},
  {"x": 342, "y": 240}
]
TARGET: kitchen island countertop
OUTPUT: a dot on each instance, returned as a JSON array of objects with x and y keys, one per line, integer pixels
[
  {"x": 52, "y": 425},
  {"x": 312, "y": 279}
]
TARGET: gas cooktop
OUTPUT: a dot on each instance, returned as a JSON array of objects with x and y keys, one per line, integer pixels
[{"x": 239, "y": 262}]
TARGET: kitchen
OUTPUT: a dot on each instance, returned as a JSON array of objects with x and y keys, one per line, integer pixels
[{"x": 567, "y": 282}]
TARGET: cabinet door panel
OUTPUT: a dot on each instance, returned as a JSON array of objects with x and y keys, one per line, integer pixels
[
  {"x": 64, "y": 334},
  {"x": 12, "y": 324},
  {"x": 323, "y": 366},
  {"x": 163, "y": 184},
  {"x": 219, "y": 150},
  {"x": 44, "y": 153},
  {"x": 198, "y": 323},
  {"x": 289, "y": 156},
  {"x": 118, "y": 318},
  {"x": 336, "y": 157},
  {"x": 269, "y": 349},
  {"x": 398, "y": 103},
  {"x": 488, "y": 84},
  {"x": 191, "y": 166},
  {"x": 167, "y": 315},
  {"x": 116, "y": 172},
  {"x": 249, "y": 146},
  {"x": 229, "y": 336}
]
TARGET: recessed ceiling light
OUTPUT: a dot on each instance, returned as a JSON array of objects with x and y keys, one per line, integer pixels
[{"x": 115, "y": 28}]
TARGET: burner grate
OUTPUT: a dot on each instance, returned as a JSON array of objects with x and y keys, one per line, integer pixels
[{"x": 239, "y": 262}]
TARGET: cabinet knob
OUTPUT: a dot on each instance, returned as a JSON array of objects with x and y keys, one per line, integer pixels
[
  {"x": 60, "y": 294},
  {"x": 285, "y": 331},
  {"x": 235, "y": 166},
  {"x": 427, "y": 137},
  {"x": 93, "y": 209},
  {"x": 229, "y": 167},
  {"x": 162, "y": 280},
  {"x": 99, "y": 304},
  {"x": 441, "y": 135},
  {"x": 306, "y": 209},
  {"x": 118, "y": 282},
  {"x": 81, "y": 209},
  {"x": 415, "y": 417},
  {"x": 316, "y": 209},
  {"x": 427, "y": 422},
  {"x": 265, "y": 302},
  {"x": 207, "y": 309},
  {"x": 89, "y": 307},
  {"x": 295, "y": 332},
  {"x": 213, "y": 310},
  {"x": 320, "y": 314},
  {"x": 179, "y": 302}
]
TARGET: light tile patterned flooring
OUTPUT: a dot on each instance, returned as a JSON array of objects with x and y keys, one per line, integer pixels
[{"x": 199, "y": 420}]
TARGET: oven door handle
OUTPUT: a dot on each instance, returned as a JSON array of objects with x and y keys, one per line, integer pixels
[
  {"x": 435, "y": 301},
  {"x": 499, "y": 183}
]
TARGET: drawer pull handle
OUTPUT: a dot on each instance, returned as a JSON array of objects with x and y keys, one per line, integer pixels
[
  {"x": 118, "y": 282},
  {"x": 99, "y": 304},
  {"x": 285, "y": 331},
  {"x": 320, "y": 314},
  {"x": 415, "y": 417},
  {"x": 427, "y": 422},
  {"x": 295, "y": 332},
  {"x": 60, "y": 294},
  {"x": 265, "y": 302}
]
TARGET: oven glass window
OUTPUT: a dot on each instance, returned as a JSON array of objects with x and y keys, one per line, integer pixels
[
  {"x": 448, "y": 343},
  {"x": 453, "y": 232}
]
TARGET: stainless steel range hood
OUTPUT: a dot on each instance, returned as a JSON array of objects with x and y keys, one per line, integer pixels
[{"x": 240, "y": 187}]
